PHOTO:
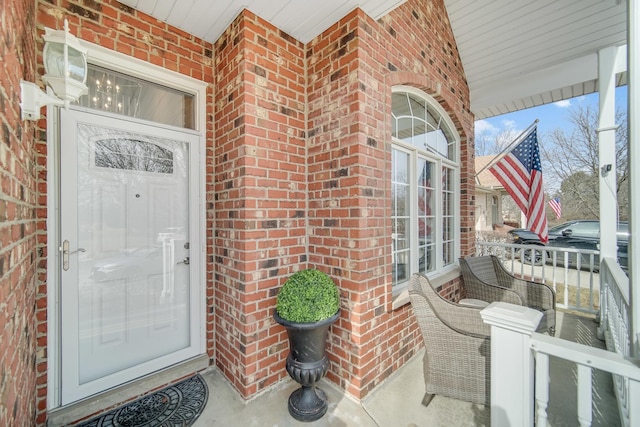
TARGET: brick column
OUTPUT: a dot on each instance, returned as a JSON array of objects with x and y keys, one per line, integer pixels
[{"x": 259, "y": 197}]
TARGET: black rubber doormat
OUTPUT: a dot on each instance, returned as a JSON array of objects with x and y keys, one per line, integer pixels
[{"x": 177, "y": 405}]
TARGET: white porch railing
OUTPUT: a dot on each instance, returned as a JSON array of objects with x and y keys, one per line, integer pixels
[
  {"x": 520, "y": 361},
  {"x": 513, "y": 339},
  {"x": 572, "y": 273},
  {"x": 614, "y": 324}
]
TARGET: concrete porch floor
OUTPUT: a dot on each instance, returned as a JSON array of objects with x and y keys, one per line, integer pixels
[{"x": 397, "y": 401}]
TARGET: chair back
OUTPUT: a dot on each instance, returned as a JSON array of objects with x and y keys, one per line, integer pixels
[
  {"x": 482, "y": 267},
  {"x": 423, "y": 298},
  {"x": 457, "y": 356}
]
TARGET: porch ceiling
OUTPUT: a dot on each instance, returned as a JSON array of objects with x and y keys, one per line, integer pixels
[
  {"x": 516, "y": 54},
  {"x": 519, "y": 54}
]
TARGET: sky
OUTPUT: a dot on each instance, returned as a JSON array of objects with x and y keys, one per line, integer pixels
[{"x": 551, "y": 116}]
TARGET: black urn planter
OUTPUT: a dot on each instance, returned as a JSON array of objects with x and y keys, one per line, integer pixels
[{"x": 307, "y": 363}]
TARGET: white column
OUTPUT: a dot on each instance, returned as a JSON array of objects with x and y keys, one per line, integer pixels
[
  {"x": 512, "y": 363},
  {"x": 607, "y": 151},
  {"x": 633, "y": 47}
]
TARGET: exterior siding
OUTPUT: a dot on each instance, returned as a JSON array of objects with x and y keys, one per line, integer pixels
[{"x": 298, "y": 161}]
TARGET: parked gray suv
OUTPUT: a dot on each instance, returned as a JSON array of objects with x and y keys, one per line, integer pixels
[{"x": 579, "y": 234}]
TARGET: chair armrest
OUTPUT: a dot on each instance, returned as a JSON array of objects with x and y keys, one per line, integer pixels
[
  {"x": 461, "y": 319},
  {"x": 490, "y": 293},
  {"x": 533, "y": 294},
  {"x": 464, "y": 320}
]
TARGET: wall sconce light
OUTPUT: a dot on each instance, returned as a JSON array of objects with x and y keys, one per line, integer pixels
[{"x": 65, "y": 65}]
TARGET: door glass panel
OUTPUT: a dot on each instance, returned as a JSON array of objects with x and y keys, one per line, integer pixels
[{"x": 133, "y": 155}]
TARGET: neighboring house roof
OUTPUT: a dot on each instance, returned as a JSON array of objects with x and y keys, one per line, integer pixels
[{"x": 485, "y": 178}]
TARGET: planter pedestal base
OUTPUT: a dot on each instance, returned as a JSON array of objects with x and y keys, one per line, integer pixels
[{"x": 308, "y": 403}]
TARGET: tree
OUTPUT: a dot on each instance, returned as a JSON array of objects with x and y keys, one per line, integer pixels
[
  {"x": 571, "y": 160},
  {"x": 487, "y": 142}
]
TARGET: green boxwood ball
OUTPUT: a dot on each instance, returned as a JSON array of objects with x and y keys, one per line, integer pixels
[{"x": 308, "y": 296}]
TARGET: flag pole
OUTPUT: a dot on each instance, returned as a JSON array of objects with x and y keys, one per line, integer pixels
[{"x": 509, "y": 147}]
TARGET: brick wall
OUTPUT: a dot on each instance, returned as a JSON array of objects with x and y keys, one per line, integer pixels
[
  {"x": 299, "y": 176},
  {"x": 352, "y": 69},
  {"x": 19, "y": 179},
  {"x": 259, "y": 197},
  {"x": 263, "y": 168}
]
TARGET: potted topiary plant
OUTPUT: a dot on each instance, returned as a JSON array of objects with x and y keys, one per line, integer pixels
[{"x": 307, "y": 304}]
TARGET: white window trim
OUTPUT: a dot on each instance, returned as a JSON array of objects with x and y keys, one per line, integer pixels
[
  {"x": 442, "y": 274},
  {"x": 116, "y": 61}
]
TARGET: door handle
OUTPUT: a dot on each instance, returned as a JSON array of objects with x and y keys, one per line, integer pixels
[
  {"x": 66, "y": 253},
  {"x": 184, "y": 261}
]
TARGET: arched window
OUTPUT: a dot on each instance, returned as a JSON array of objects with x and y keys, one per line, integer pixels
[{"x": 424, "y": 189}]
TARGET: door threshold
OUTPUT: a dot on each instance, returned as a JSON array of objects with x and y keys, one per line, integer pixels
[{"x": 112, "y": 398}]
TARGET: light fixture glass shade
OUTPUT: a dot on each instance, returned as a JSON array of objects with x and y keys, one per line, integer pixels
[
  {"x": 65, "y": 64},
  {"x": 54, "y": 62}
]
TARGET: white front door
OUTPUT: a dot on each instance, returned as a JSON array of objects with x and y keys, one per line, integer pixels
[{"x": 128, "y": 294}]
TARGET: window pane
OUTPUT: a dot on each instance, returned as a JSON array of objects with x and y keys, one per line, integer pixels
[
  {"x": 401, "y": 216},
  {"x": 426, "y": 200},
  {"x": 419, "y": 138},
  {"x": 400, "y": 104},
  {"x": 447, "y": 256},
  {"x": 121, "y": 94},
  {"x": 586, "y": 229},
  {"x": 404, "y": 129},
  {"x": 418, "y": 108},
  {"x": 425, "y": 262},
  {"x": 400, "y": 173},
  {"x": 400, "y": 199},
  {"x": 401, "y": 249},
  {"x": 400, "y": 268},
  {"x": 447, "y": 216}
]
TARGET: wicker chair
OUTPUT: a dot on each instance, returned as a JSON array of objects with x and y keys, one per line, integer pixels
[
  {"x": 457, "y": 359},
  {"x": 486, "y": 279}
]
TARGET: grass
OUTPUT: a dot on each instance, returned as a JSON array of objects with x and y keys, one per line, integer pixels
[{"x": 573, "y": 297}]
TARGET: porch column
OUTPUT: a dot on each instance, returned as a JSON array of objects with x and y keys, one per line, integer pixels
[
  {"x": 511, "y": 362},
  {"x": 633, "y": 43},
  {"x": 607, "y": 58}
]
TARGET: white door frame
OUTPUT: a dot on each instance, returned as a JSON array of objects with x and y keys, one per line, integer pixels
[{"x": 116, "y": 61}]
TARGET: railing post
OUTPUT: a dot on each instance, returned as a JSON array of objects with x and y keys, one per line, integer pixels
[
  {"x": 634, "y": 396},
  {"x": 512, "y": 363}
]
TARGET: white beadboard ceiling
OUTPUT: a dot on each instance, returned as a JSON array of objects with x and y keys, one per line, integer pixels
[
  {"x": 302, "y": 19},
  {"x": 519, "y": 54},
  {"x": 516, "y": 53}
]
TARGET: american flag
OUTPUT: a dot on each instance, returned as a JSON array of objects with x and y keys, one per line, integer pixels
[
  {"x": 556, "y": 206},
  {"x": 520, "y": 172}
]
